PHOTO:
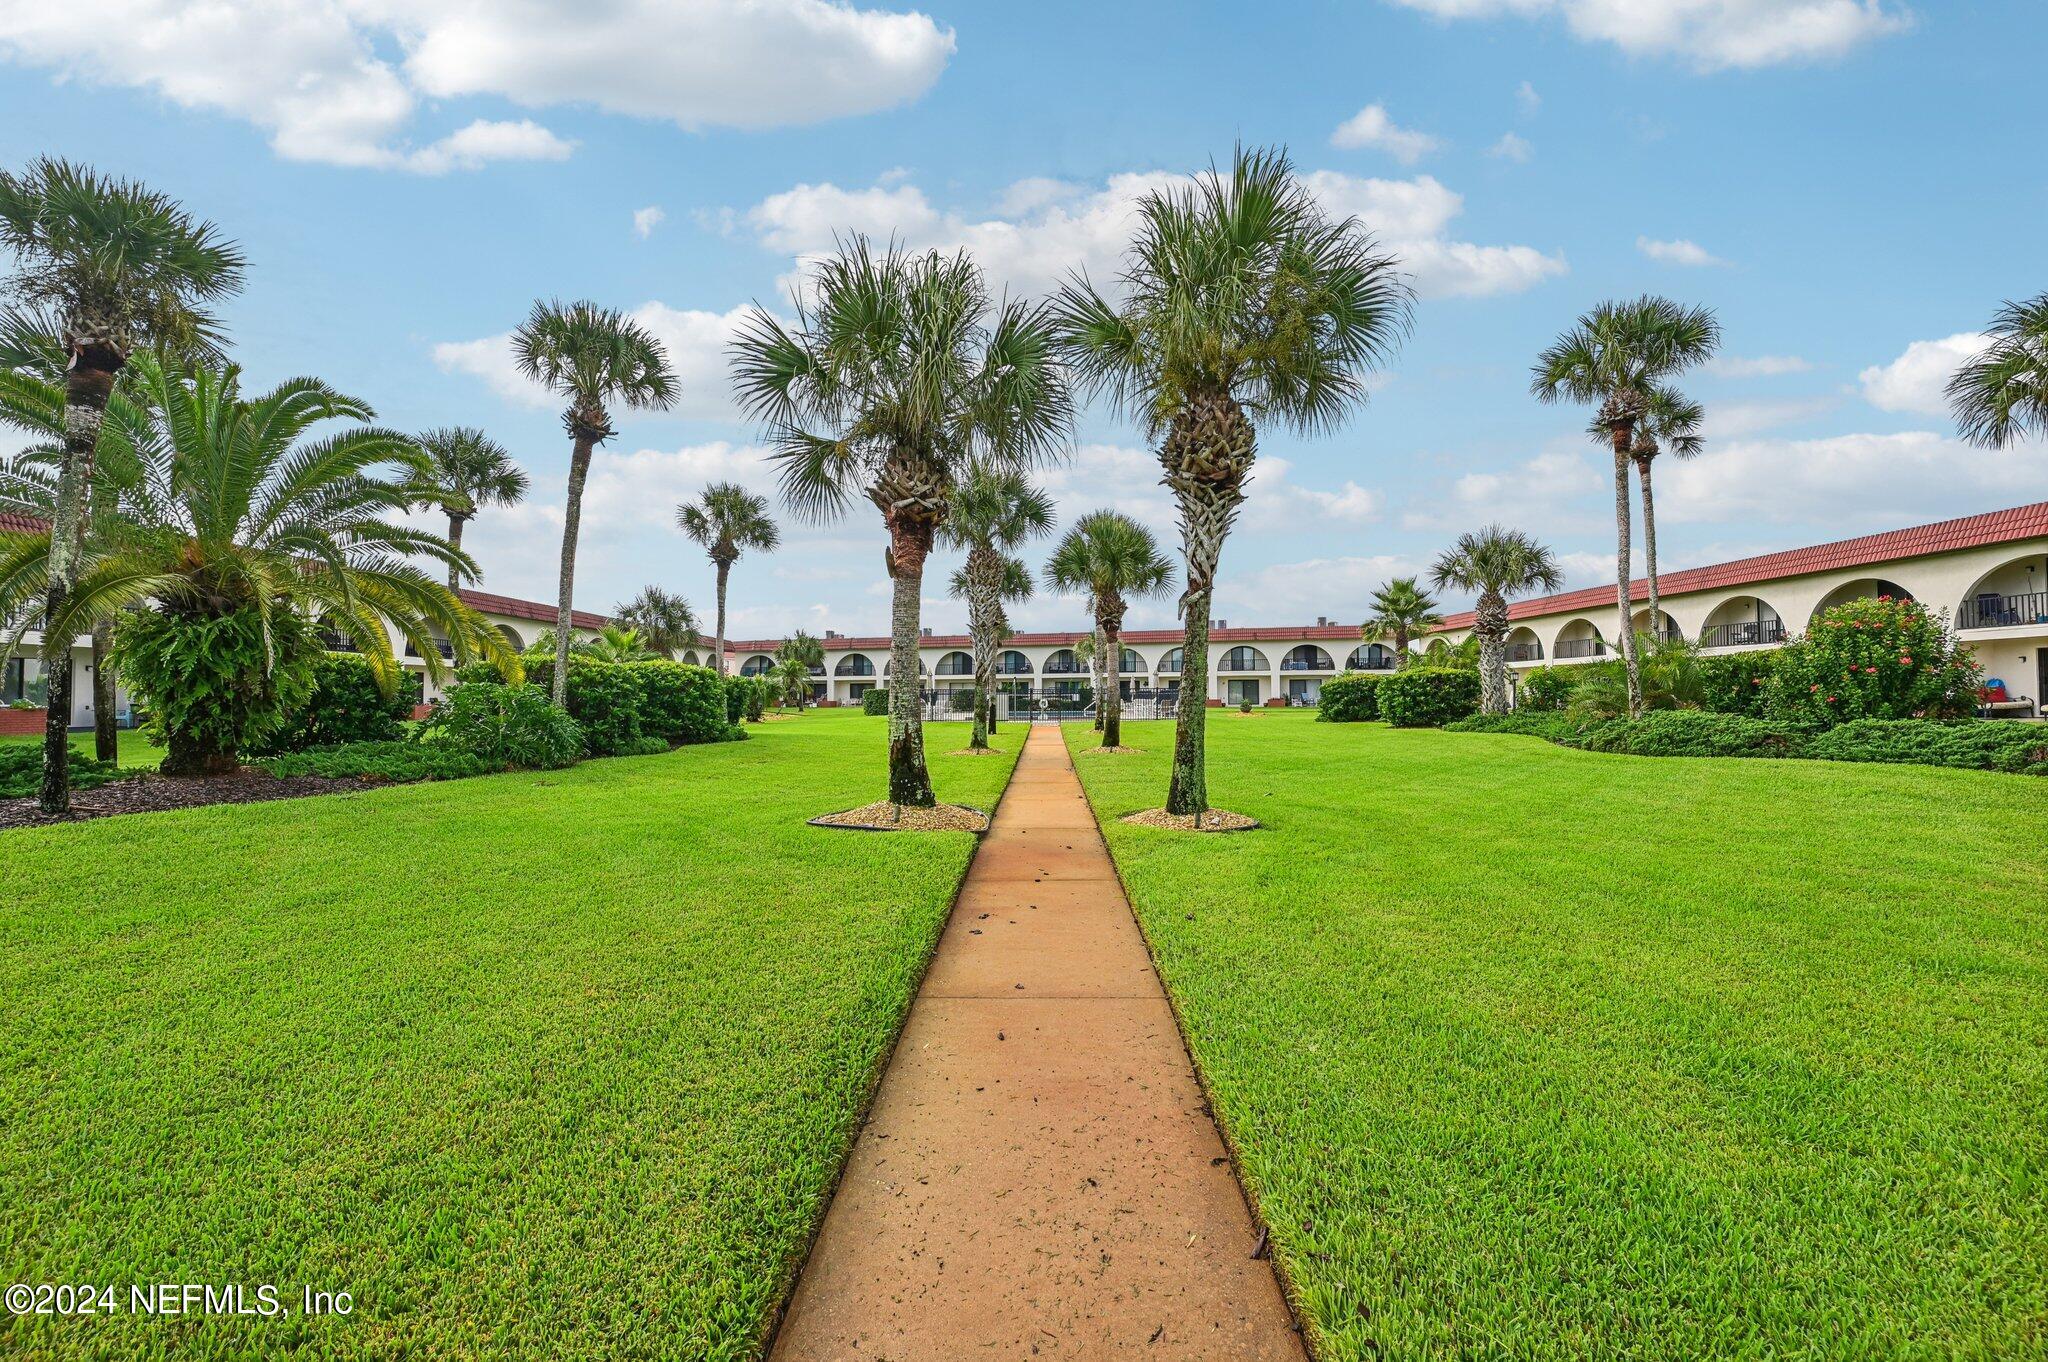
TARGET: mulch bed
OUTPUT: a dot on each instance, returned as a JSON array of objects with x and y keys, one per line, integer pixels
[
  {"x": 153, "y": 793},
  {"x": 1215, "y": 820},
  {"x": 1113, "y": 751},
  {"x": 882, "y": 816}
]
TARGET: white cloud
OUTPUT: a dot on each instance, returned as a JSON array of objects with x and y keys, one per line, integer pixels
[
  {"x": 1914, "y": 381},
  {"x": 1558, "y": 491},
  {"x": 1710, "y": 34},
  {"x": 1680, "y": 252},
  {"x": 1372, "y": 127},
  {"x": 341, "y": 81},
  {"x": 1297, "y": 592},
  {"x": 1855, "y": 482},
  {"x": 1511, "y": 148},
  {"x": 1033, "y": 250},
  {"x": 1274, "y": 502},
  {"x": 645, "y": 220},
  {"x": 1733, "y": 420},
  {"x": 1758, "y": 366},
  {"x": 1527, "y": 100}
]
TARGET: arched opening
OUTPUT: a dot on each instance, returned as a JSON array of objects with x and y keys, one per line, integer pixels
[
  {"x": 1524, "y": 645},
  {"x": 854, "y": 664},
  {"x": 1667, "y": 627},
  {"x": 335, "y": 639},
  {"x": 1169, "y": 665},
  {"x": 1062, "y": 663},
  {"x": 1371, "y": 657},
  {"x": 2010, "y": 595},
  {"x": 1010, "y": 662},
  {"x": 1860, "y": 589},
  {"x": 1129, "y": 661},
  {"x": 512, "y": 638},
  {"x": 1578, "y": 638},
  {"x": 1244, "y": 658},
  {"x": 890, "y": 666},
  {"x": 756, "y": 665},
  {"x": 1306, "y": 657},
  {"x": 1742, "y": 622},
  {"x": 956, "y": 663}
]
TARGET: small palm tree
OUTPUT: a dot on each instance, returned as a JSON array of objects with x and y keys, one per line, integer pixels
[
  {"x": 1495, "y": 564},
  {"x": 590, "y": 357},
  {"x": 1401, "y": 612},
  {"x": 995, "y": 511},
  {"x": 1615, "y": 357},
  {"x": 797, "y": 659},
  {"x": 726, "y": 521},
  {"x": 2002, "y": 395},
  {"x": 115, "y": 267},
  {"x": 1087, "y": 651},
  {"x": 899, "y": 377},
  {"x": 1243, "y": 301},
  {"x": 665, "y": 623},
  {"x": 1112, "y": 558},
  {"x": 1670, "y": 424},
  {"x": 465, "y": 471},
  {"x": 617, "y": 643}
]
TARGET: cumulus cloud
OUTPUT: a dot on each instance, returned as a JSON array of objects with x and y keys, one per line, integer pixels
[
  {"x": 1679, "y": 252},
  {"x": 1732, "y": 420},
  {"x": 1297, "y": 592},
  {"x": 1557, "y": 491},
  {"x": 1511, "y": 148},
  {"x": 342, "y": 81},
  {"x": 1527, "y": 100},
  {"x": 1711, "y": 35},
  {"x": 1914, "y": 381},
  {"x": 1065, "y": 227},
  {"x": 645, "y": 220},
  {"x": 1858, "y": 482},
  {"x": 1372, "y": 127},
  {"x": 1756, "y": 366}
]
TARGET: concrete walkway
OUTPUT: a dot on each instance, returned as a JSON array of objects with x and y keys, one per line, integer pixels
[{"x": 1039, "y": 1176}]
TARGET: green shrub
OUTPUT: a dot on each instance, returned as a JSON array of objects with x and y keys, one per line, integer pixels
[
  {"x": 505, "y": 726},
  {"x": 1977, "y": 744},
  {"x": 875, "y": 701},
  {"x": 345, "y": 707},
  {"x": 1694, "y": 733},
  {"x": 393, "y": 761},
  {"x": 760, "y": 694},
  {"x": 1536, "y": 723},
  {"x": 1349, "y": 698},
  {"x": 1428, "y": 697},
  {"x": 1737, "y": 683},
  {"x": 1546, "y": 687},
  {"x": 215, "y": 687},
  {"x": 679, "y": 703},
  {"x": 604, "y": 698},
  {"x": 1875, "y": 658},
  {"x": 21, "y": 769}
]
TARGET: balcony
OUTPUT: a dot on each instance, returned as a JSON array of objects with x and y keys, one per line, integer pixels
[
  {"x": 957, "y": 669},
  {"x": 1294, "y": 667},
  {"x": 1525, "y": 652},
  {"x": 1582, "y": 647},
  {"x": 1063, "y": 668},
  {"x": 1989, "y": 611},
  {"x": 1749, "y": 634},
  {"x": 1013, "y": 669},
  {"x": 441, "y": 646}
]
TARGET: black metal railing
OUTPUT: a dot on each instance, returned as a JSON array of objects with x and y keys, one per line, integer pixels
[
  {"x": 1989, "y": 611},
  {"x": 1012, "y": 669},
  {"x": 336, "y": 642},
  {"x": 441, "y": 646},
  {"x": 1582, "y": 647},
  {"x": 957, "y": 669},
  {"x": 1322, "y": 666},
  {"x": 1525, "y": 652},
  {"x": 1062, "y": 668},
  {"x": 1169, "y": 669},
  {"x": 1747, "y": 634}
]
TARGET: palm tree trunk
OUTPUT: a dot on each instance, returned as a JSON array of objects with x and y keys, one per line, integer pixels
[
  {"x": 1400, "y": 646},
  {"x": 1110, "y": 626},
  {"x": 909, "y": 782},
  {"x": 455, "y": 524},
  {"x": 983, "y": 612},
  {"x": 1650, "y": 545},
  {"x": 106, "y": 737},
  {"x": 1188, "y": 790},
  {"x": 1490, "y": 623},
  {"x": 1622, "y": 564},
  {"x": 572, "y": 522},
  {"x": 1095, "y": 676},
  {"x": 724, "y": 570},
  {"x": 87, "y": 385}
]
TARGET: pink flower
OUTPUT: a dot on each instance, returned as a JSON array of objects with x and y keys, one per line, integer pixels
[
  {"x": 1831, "y": 699},
  {"x": 1906, "y": 661}
]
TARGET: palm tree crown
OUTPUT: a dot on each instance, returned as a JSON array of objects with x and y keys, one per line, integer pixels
[
  {"x": 994, "y": 511},
  {"x": 664, "y": 621},
  {"x": 727, "y": 520},
  {"x": 1401, "y": 609},
  {"x": 2002, "y": 395},
  {"x": 1495, "y": 564},
  {"x": 592, "y": 357},
  {"x": 463, "y": 471},
  {"x": 1615, "y": 356},
  {"x": 1111, "y": 557}
]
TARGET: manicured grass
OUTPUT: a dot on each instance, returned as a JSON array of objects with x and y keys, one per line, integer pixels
[
  {"x": 1531, "y": 1053},
  {"x": 539, "y": 1065},
  {"x": 134, "y": 748}
]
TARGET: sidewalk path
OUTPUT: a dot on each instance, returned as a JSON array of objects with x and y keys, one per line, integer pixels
[{"x": 1039, "y": 1176}]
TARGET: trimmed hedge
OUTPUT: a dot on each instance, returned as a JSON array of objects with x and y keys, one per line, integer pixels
[
  {"x": 875, "y": 702},
  {"x": 633, "y": 708},
  {"x": 345, "y": 707},
  {"x": 1349, "y": 698},
  {"x": 1550, "y": 724},
  {"x": 507, "y": 726},
  {"x": 680, "y": 703},
  {"x": 1693, "y": 733},
  {"x": 21, "y": 769},
  {"x": 1547, "y": 687},
  {"x": 1976, "y": 744},
  {"x": 1738, "y": 683},
  {"x": 1428, "y": 697},
  {"x": 393, "y": 761}
]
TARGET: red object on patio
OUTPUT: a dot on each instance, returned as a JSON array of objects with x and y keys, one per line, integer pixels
[{"x": 421, "y": 711}]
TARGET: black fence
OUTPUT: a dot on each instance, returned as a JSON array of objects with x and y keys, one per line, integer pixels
[
  {"x": 1748, "y": 634},
  {"x": 1989, "y": 611},
  {"x": 1052, "y": 705}
]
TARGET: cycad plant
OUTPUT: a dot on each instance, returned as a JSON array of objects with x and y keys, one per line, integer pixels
[
  {"x": 237, "y": 535},
  {"x": 1242, "y": 301},
  {"x": 114, "y": 267},
  {"x": 664, "y": 621},
  {"x": 726, "y": 521},
  {"x": 2002, "y": 395},
  {"x": 994, "y": 513},
  {"x": 1495, "y": 564},
  {"x": 1615, "y": 358},
  {"x": 1401, "y": 612},
  {"x": 592, "y": 358},
  {"x": 1112, "y": 558},
  {"x": 463, "y": 472},
  {"x": 900, "y": 375}
]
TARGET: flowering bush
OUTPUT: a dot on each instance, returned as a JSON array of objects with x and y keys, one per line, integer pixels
[{"x": 1875, "y": 658}]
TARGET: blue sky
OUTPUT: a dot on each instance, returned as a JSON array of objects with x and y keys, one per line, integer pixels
[{"x": 1854, "y": 185}]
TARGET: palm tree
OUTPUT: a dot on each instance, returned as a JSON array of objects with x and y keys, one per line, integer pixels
[
  {"x": 465, "y": 471},
  {"x": 664, "y": 622},
  {"x": 798, "y": 658},
  {"x": 590, "y": 357},
  {"x": 1495, "y": 563},
  {"x": 1401, "y": 611},
  {"x": 232, "y": 511},
  {"x": 1614, "y": 357},
  {"x": 617, "y": 643},
  {"x": 1088, "y": 651},
  {"x": 1112, "y": 558},
  {"x": 726, "y": 521},
  {"x": 899, "y": 377},
  {"x": 116, "y": 267},
  {"x": 2002, "y": 395},
  {"x": 1243, "y": 301},
  {"x": 988, "y": 624},
  {"x": 995, "y": 511},
  {"x": 1670, "y": 424}
]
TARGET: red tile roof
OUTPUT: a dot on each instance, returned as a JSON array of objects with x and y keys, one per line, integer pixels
[
  {"x": 1279, "y": 633},
  {"x": 1946, "y": 536}
]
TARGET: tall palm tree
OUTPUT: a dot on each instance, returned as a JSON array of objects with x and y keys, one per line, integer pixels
[
  {"x": 988, "y": 622},
  {"x": 1670, "y": 424},
  {"x": 590, "y": 357},
  {"x": 1401, "y": 612},
  {"x": 115, "y": 266},
  {"x": 797, "y": 659},
  {"x": 1243, "y": 301},
  {"x": 232, "y": 510},
  {"x": 900, "y": 376},
  {"x": 726, "y": 521},
  {"x": 1614, "y": 357},
  {"x": 1495, "y": 564},
  {"x": 1112, "y": 558},
  {"x": 665, "y": 622},
  {"x": 995, "y": 511},
  {"x": 2002, "y": 395},
  {"x": 465, "y": 471}
]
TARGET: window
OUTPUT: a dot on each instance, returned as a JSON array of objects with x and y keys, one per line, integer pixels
[
  {"x": 1169, "y": 665},
  {"x": 1062, "y": 663},
  {"x": 855, "y": 664},
  {"x": 1013, "y": 663},
  {"x": 1307, "y": 658},
  {"x": 1371, "y": 657},
  {"x": 1243, "y": 659},
  {"x": 1239, "y": 692},
  {"x": 956, "y": 664},
  {"x": 1129, "y": 661},
  {"x": 756, "y": 665}
]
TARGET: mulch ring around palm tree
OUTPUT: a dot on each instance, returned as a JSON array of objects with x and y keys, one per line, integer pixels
[
  {"x": 152, "y": 793},
  {"x": 882, "y": 816},
  {"x": 1112, "y": 751},
  {"x": 1213, "y": 820},
  {"x": 977, "y": 752}
]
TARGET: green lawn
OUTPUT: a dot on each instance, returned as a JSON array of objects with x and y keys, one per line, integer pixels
[
  {"x": 538, "y": 1065},
  {"x": 1530, "y": 1052},
  {"x": 134, "y": 747}
]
